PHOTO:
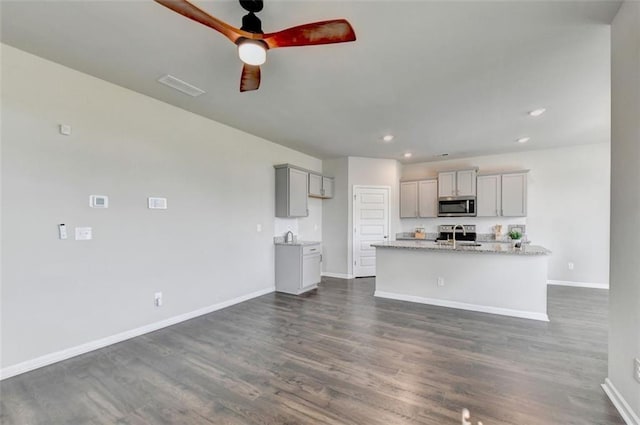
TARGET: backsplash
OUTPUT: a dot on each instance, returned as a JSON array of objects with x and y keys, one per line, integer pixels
[{"x": 483, "y": 224}]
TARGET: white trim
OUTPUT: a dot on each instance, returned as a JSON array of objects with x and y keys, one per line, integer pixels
[
  {"x": 464, "y": 306},
  {"x": 620, "y": 403},
  {"x": 67, "y": 353},
  {"x": 338, "y": 275},
  {"x": 578, "y": 284},
  {"x": 353, "y": 218}
]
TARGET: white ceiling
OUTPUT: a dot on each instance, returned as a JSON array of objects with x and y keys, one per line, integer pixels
[{"x": 443, "y": 77}]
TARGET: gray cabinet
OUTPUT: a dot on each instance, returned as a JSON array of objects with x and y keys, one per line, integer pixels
[
  {"x": 298, "y": 267},
  {"x": 315, "y": 185},
  {"x": 428, "y": 198},
  {"x": 291, "y": 191},
  {"x": 408, "y": 199},
  {"x": 514, "y": 195},
  {"x": 320, "y": 186},
  {"x": 457, "y": 183},
  {"x": 502, "y": 195},
  {"x": 488, "y": 202},
  {"x": 419, "y": 199},
  {"x": 327, "y": 187}
]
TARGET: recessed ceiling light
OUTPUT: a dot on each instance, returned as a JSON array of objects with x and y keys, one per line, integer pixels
[
  {"x": 388, "y": 138},
  {"x": 537, "y": 112},
  {"x": 408, "y": 155},
  {"x": 523, "y": 139}
]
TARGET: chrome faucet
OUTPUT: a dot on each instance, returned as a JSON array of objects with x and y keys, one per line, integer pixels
[
  {"x": 464, "y": 232},
  {"x": 288, "y": 237}
]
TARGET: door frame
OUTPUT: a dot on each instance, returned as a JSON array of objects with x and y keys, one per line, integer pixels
[{"x": 353, "y": 218}]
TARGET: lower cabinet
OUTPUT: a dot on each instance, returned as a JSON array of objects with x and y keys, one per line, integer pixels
[{"x": 298, "y": 267}]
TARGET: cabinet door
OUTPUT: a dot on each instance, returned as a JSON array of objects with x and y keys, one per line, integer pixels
[
  {"x": 514, "y": 195},
  {"x": 298, "y": 181},
  {"x": 488, "y": 202},
  {"x": 327, "y": 187},
  {"x": 315, "y": 185},
  {"x": 408, "y": 199},
  {"x": 310, "y": 270},
  {"x": 447, "y": 184},
  {"x": 428, "y": 198},
  {"x": 466, "y": 183}
]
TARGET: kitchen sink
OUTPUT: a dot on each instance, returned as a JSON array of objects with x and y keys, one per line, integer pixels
[{"x": 458, "y": 243}]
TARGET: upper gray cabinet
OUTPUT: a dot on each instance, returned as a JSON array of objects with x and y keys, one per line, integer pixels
[
  {"x": 457, "y": 183},
  {"x": 419, "y": 199},
  {"x": 514, "y": 194},
  {"x": 320, "y": 186},
  {"x": 327, "y": 187},
  {"x": 408, "y": 199},
  {"x": 488, "y": 203},
  {"x": 291, "y": 191},
  {"x": 502, "y": 195},
  {"x": 315, "y": 185},
  {"x": 428, "y": 198}
]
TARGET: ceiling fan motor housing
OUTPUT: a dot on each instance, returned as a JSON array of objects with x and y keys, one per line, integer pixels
[
  {"x": 251, "y": 23},
  {"x": 254, "y": 6}
]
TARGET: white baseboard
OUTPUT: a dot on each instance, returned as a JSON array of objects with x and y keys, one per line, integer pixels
[
  {"x": 57, "y": 356},
  {"x": 578, "y": 284},
  {"x": 338, "y": 275},
  {"x": 464, "y": 306},
  {"x": 629, "y": 416}
]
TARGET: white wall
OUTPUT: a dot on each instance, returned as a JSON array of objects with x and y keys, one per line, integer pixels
[
  {"x": 568, "y": 205},
  {"x": 624, "y": 295},
  {"x": 203, "y": 250}
]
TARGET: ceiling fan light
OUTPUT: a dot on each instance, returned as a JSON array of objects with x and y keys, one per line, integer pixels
[{"x": 252, "y": 52}]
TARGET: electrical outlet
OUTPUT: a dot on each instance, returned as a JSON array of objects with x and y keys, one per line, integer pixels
[
  {"x": 636, "y": 369},
  {"x": 570, "y": 265},
  {"x": 258, "y": 228},
  {"x": 157, "y": 299},
  {"x": 441, "y": 281}
]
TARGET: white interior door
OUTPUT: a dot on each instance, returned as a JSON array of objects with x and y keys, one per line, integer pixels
[{"x": 370, "y": 225}]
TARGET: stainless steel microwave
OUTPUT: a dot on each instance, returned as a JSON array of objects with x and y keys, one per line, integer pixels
[{"x": 457, "y": 206}]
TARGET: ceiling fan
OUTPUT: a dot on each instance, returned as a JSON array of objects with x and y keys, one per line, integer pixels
[{"x": 253, "y": 43}]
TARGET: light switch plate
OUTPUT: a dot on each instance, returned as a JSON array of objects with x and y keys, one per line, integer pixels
[
  {"x": 158, "y": 203},
  {"x": 65, "y": 129},
  {"x": 84, "y": 233},
  {"x": 99, "y": 201}
]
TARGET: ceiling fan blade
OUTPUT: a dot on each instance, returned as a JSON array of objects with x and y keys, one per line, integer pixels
[
  {"x": 250, "y": 79},
  {"x": 325, "y": 32},
  {"x": 190, "y": 11}
]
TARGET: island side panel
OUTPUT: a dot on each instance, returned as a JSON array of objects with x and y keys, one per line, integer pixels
[{"x": 512, "y": 285}]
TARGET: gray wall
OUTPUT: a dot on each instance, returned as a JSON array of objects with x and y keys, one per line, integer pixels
[
  {"x": 624, "y": 295},
  {"x": 334, "y": 223},
  {"x": 203, "y": 250}
]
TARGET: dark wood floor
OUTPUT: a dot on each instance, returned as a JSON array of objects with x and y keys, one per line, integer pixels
[{"x": 336, "y": 356}]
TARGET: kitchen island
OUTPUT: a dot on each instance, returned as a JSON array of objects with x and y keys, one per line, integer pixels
[{"x": 488, "y": 277}]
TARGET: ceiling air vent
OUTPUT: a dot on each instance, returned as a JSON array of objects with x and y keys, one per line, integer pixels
[{"x": 178, "y": 84}]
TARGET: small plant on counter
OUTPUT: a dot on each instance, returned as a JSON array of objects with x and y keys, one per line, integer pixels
[{"x": 515, "y": 235}]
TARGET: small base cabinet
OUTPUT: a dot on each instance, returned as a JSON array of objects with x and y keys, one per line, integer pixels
[{"x": 298, "y": 267}]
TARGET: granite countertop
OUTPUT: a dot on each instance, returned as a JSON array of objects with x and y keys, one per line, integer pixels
[
  {"x": 493, "y": 247},
  {"x": 297, "y": 243}
]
